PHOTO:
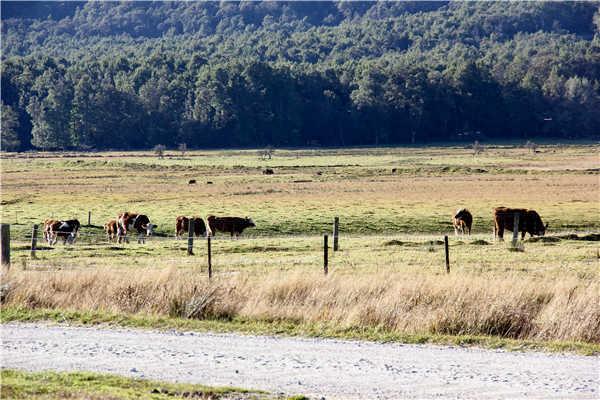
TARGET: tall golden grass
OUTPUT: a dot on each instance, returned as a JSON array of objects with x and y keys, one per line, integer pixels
[{"x": 506, "y": 306}]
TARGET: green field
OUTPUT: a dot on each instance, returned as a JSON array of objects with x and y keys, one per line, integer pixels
[
  {"x": 355, "y": 184},
  {"x": 388, "y": 279},
  {"x": 83, "y": 385}
]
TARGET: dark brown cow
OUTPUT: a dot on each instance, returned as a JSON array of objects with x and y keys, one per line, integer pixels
[
  {"x": 233, "y": 225},
  {"x": 462, "y": 222},
  {"x": 529, "y": 221},
  {"x": 111, "y": 230},
  {"x": 53, "y": 229},
  {"x": 139, "y": 223},
  {"x": 182, "y": 226}
]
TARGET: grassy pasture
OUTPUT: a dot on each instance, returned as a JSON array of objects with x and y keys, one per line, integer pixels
[
  {"x": 388, "y": 280},
  {"x": 355, "y": 184},
  {"x": 85, "y": 385}
]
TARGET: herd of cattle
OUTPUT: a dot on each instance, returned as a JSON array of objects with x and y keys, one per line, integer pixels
[{"x": 117, "y": 229}]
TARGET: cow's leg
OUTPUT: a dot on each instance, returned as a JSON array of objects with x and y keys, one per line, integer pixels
[
  {"x": 500, "y": 231},
  {"x": 523, "y": 235}
]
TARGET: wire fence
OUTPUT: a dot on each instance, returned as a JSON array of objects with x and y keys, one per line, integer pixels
[{"x": 83, "y": 236}]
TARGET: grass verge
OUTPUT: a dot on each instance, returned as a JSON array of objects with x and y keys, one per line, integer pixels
[
  {"x": 289, "y": 328},
  {"x": 85, "y": 385}
]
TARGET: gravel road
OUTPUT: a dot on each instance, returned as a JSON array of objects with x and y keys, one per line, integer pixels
[{"x": 319, "y": 368}]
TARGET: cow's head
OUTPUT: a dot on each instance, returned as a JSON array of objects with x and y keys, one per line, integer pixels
[
  {"x": 461, "y": 213},
  {"x": 250, "y": 222},
  {"x": 149, "y": 227},
  {"x": 539, "y": 228}
]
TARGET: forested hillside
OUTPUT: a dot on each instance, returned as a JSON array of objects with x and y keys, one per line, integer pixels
[{"x": 99, "y": 75}]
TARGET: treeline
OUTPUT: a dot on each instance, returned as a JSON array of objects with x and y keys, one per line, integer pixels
[{"x": 133, "y": 75}]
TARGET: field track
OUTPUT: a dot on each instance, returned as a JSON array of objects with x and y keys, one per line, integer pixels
[{"x": 314, "y": 367}]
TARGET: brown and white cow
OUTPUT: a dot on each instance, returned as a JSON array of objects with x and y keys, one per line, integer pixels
[
  {"x": 111, "y": 229},
  {"x": 48, "y": 227},
  {"x": 233, "y": 225},
  {"x": 462, "y": 222},
  {"x": 53, "y": 229},
  {"x": 529, "y": 222},
  {"x": 139, "y": 223},
  {"x": 182, "y": 226}
]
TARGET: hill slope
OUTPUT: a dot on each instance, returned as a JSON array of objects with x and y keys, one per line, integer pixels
[{"x": 132, "y": 75}]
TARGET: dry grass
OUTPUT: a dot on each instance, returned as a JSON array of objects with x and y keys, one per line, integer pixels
[{"x": 504, "y": 306}]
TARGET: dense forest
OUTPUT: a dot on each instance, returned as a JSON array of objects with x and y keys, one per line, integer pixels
[{"x": 130, "y": 75}]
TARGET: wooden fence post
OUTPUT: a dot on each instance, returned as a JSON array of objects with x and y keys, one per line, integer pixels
[
  {"x": 34, "y": 234},
  {"x": 209, "y": 258},
  {"x": 325, "y": 254},
  {"x": 515, "y": 237},
  {"x": 89, "y": 218},
  {"x": 336, "y": 226},
  {"x": 190, "y": 250},
  {"x": 447, "y": 254},
  {"x": 5, "y": 242}
]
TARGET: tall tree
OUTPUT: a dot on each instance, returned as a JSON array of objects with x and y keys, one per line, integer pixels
[{"x": 10, "y": 123}]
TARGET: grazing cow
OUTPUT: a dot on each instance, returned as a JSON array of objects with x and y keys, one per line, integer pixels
[
  {"x": 111, "y": 230},
  {"x": 192, "y": 182},
  {"x": 268, "y": 171},
  {"x": 182, "y": 226},
  {"x": 529, "y": 222},
  {"x": 462, "y": 222},
  {"x": 233, "y": 225},
  {"x": 139, "y": 223},
  {"x": 67, "y": 230}
]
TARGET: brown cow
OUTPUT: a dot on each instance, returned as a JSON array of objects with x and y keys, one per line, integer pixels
[
  {"x": 182, "y": 226},
  {"x": 111, "y": 230},
  {"x": 53, "y": 229},
  {"x": 462, "y": 221},
  {"x": 233, "y": 225},
  {"x": 529, "y": 222},
  {"x": 139, "y": 223}
]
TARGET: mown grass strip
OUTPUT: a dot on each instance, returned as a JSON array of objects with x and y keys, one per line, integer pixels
[
  {"x": 86, "y": 385},
  {"x": 290, "y": 328}
]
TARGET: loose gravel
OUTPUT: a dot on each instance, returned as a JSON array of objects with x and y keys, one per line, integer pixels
[{"x": 318, "y": 368}]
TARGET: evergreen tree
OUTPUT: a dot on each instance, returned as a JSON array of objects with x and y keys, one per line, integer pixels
[{"x": 10, "y": 123}]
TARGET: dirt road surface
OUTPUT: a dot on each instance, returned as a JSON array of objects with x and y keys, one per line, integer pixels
[{"x": 319, "y": 368}]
